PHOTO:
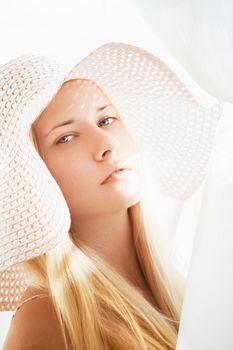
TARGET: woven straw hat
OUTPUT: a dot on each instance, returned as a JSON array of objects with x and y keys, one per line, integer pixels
[{"x": 167, "y": 119}]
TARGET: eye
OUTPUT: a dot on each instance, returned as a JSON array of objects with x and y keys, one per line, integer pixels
[
  {"x": 63, "y": 138},
  {"x": 107, "y": 119},
  {"x": 58, "y": 141}
]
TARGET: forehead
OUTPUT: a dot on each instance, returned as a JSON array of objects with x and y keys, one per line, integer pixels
[
  {"x": 81, "y": 90},
  {"x": 76, "y": 95}
]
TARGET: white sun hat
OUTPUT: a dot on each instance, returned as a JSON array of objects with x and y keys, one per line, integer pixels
[{"x": 171, "y": 126}]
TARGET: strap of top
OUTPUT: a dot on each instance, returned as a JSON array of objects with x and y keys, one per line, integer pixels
[{"x": 28, "y": 299}]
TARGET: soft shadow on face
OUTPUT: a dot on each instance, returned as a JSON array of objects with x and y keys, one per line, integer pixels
[{"x": 81, "y": 154}]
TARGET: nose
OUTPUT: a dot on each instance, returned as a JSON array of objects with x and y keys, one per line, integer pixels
[{"x": 105, "y": 146}]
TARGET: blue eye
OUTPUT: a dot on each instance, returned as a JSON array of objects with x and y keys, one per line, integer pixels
[
  {"x": 107, "y": 119},
  {"x": 63, "y": 138},
  {"x": 73, "y": 135}
]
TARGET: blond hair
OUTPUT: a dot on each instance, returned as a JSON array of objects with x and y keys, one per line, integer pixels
[{"x": 98, "y": 308}]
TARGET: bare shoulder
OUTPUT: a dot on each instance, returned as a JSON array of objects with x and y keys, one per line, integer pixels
[{"x": 35, "y": 324}]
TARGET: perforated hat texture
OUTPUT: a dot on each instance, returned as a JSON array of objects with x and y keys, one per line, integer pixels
[{"x": 170, "y": 127}]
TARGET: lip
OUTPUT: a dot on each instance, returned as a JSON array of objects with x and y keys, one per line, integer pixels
[{"x": 117, "y": 169}]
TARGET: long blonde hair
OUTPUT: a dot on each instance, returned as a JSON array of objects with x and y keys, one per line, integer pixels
[{"x": 98, "y": 308}]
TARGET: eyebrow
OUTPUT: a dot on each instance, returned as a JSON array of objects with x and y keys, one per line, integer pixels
[{"x": 71, "y": 121}]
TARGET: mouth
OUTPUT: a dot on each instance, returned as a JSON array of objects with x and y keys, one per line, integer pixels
[{"x": 117, "y": 171}]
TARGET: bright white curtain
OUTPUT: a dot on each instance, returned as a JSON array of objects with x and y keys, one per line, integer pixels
[{"x": 199, "y": 34}]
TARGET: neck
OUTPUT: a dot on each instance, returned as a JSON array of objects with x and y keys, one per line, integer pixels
[{"x": 111, "y": 237}]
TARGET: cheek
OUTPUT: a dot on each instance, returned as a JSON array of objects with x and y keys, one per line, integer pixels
[
  {"x": 64, "y": 172},
  {"x": 73, "y": 184}
]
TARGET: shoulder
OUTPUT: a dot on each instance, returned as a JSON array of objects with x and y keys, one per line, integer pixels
[{"x": 35, "y": 324}]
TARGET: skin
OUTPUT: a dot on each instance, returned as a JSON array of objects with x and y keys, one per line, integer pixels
[{"x": 86, "y": 154}]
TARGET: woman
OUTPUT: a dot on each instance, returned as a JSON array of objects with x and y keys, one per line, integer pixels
[{"x": 104, "y": 285}]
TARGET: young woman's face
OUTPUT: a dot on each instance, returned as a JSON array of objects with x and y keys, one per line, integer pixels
[{"x": 81, "y": 154}]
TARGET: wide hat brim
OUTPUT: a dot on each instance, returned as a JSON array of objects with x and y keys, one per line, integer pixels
[{"x": 172, "y": 129}]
